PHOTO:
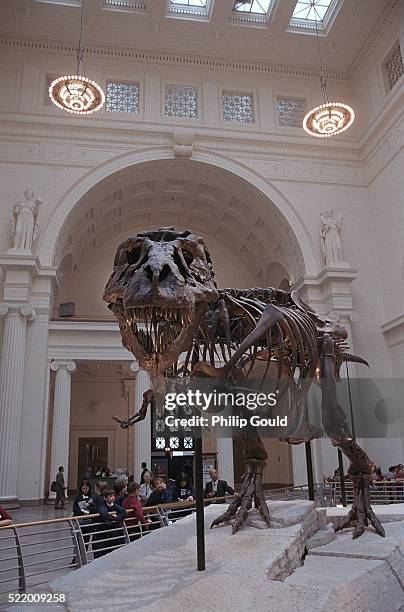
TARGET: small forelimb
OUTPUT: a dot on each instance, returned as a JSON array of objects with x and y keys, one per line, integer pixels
[{"x": 140, "y": 415}]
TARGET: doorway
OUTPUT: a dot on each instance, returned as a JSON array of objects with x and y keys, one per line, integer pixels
[
  {"x": 93, "y": 453},
  {"x": 169, "y": 467}
]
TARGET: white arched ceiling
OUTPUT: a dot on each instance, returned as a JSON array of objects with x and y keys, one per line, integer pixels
[
  {"x": 276, "y": 275},
  {"x": 225, "y": 209}
]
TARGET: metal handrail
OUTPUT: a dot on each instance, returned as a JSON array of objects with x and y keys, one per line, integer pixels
[{"x": 81, "y": 539}]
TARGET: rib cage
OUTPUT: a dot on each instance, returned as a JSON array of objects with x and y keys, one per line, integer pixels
[{"x": 293, "y": 344}]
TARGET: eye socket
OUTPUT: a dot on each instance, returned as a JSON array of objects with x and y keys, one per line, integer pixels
[
  {"x": 134, "y": 255},
  {"x": 178, "y": 262},
  {"x": 189, "y": 258}
]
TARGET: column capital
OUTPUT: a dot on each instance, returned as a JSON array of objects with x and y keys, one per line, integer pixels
[
  {"x": 63, "y": 364},
  {"x": 350, "y": 316},
  {"x": 25, "y": 310}
]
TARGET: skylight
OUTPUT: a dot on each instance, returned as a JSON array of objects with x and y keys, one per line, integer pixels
[
  {"x": 312, "y": 14},
  {"x": 311, "y": 10},
  {"x": 252, "y": 11},
  {"x": 189, "y": 9},
  {"x": 191, "y": 3},
  {"x": 258, "y": 7}
]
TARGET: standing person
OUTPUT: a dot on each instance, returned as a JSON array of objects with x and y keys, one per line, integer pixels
[
  {"x": 83, "y": 499},
  {"x": 160, "y": 495},
  {"x": 82, "y": 504},
  {"x": 97, "y": 498},
  {"x": 146, "y": 488},
  {"x": 5, "y": 518},
  {"x": 183, "y": 490},
  {"x": 121, "y": 491},
  {"x": 144, "y": 469},
  {"x": 215, "y": 487},
  {"x": 101, "y": 543},
  {"x": 60, "y": 489},
  {"x": 136, "y": 516},
  {"x": 390, "y": 475},
  {"x": 188, "y": 469}
]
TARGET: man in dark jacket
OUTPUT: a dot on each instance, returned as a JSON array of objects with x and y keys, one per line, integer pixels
[
  {"x": 216, "y": 487},
  {"x": 109, "y": 529},
  {"x": 60, "y": 489}
]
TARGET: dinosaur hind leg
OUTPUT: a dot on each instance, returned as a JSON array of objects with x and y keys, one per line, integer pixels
[
  {"x": 360, "y": 469},
  {"x": 251, "y": 490}
]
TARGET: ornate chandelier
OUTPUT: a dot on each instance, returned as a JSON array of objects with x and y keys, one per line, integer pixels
[
  {"x": 330, "y": 118},
  {"x": 77, "y": 94}
]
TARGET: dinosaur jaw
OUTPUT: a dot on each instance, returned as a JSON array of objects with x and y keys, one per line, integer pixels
[{"x": 157, "y": 335}]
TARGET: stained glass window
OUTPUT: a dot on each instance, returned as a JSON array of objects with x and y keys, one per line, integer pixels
[
  {"x": 290, "y": 111},
  {"x": 181, "y": 101},
  {"x": 238, "y": 107},
  {"x": 160, "y": 443},
  {"x": 393, "y": 67},
  {"x": 188, "y": 442},
  {"x": 122, "y": 97},
  {"x": 174, "y": 442},
  {"x": 159, "y": 425}
]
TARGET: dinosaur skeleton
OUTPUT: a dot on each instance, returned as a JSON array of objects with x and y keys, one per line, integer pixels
[{"x": 163, "y": 294}]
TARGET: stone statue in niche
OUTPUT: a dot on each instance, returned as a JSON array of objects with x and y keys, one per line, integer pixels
[
  {"x": 25, "y": 226},
  {"x": 331, "y": 236}
]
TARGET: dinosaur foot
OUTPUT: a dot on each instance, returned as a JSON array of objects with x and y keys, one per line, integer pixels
[
  {"x": 361, "y": 512},
  {"x": 251, "y": 490}
]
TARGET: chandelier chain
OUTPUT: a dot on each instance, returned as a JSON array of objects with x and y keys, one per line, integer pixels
[
  {"x": 80, "y": 49},
  {"x": 323, "y": 81}
]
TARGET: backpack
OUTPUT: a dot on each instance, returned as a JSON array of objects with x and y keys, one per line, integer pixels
[{"x": 53, "y": 486}]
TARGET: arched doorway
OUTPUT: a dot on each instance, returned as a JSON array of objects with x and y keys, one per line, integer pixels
[{"x": 250, "y": 240}]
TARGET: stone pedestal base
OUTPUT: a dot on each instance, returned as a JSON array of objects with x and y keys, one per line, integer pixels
[{"x": 256, "y": 569}]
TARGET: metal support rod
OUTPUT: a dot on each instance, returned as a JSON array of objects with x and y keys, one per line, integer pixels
[
  {"x": 200, "y": 518},
  {"x": 341, "y": 477},
  {"x": 309, "y": 466},
  {"x": 21, "y": 566},
  {"x": 350, "y": 403}
]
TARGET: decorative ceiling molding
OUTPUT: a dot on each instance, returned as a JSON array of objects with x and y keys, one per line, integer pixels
[
  {"x": 372, "y": 37},
  {"x": 61, "y": 145},
  {"x": 163, "y": 57}
]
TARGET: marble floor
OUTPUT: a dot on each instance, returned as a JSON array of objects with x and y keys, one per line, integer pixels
[{"x": 27, "y": 514}]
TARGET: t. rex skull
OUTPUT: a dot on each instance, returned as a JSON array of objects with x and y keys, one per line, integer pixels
[{"x": 159, "y": 290}]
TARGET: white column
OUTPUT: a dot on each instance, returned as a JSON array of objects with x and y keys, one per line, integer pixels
[
  {"x": 142, "y": 430},
  {"x": 61, "y": 417},
  {"x": 11, "y": 394},
  {"x": 299, "y": 465},
  {"x": 225, "y": 464}
]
